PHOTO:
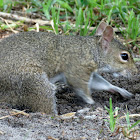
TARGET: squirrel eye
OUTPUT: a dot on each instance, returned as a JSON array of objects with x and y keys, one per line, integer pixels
[{"x": 124, "y": 56}]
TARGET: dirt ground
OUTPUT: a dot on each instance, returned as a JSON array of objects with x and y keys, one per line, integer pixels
[{"x": 82, "y": 122}]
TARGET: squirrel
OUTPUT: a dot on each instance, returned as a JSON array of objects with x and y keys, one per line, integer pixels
[{"x": 32, "y": 62}]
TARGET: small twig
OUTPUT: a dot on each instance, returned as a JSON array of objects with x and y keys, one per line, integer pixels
[
  {"x": 42, "y": 22},
  {"x": 52, "y": 24},
  {"x": 132, "y": 115},
  {"x": 14, "y": 114},
  {"x": 1, "y": 133},
  {"x": 25, "y": 19},
  {"x": 8, "y": 25},
  {"x": 52, "y": 138},
  {"x": 21, "y": 112},
  {"x": 67, "y": 115},
  {"x": 37, "y": 27}
]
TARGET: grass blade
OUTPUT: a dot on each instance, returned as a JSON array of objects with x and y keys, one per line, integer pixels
[
  {"x": 136, "y": 123},
  {"x": 65, "y": 5},
  {"x": 1, "y": 3}
]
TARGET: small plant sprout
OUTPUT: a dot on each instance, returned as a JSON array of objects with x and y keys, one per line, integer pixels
[
  {"x": 112, "y": 118},
  {"x": 130, "y": 131}
]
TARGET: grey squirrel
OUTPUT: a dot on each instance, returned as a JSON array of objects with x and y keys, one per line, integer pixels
[{"x": 31, "y": 63}]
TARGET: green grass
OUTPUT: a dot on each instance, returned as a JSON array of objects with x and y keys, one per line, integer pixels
[
  {"x": 55, "y": 18},
  {"x": 129, "y": 126},
  {"x": 112, "y": 119},
  {"x": 133, "y": 26},
  {"x": 129, "y": 130}
]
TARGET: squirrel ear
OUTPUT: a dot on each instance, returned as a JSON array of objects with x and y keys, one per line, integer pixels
[
  {"x": 101, "y": 28},
  {"x": 107, "y": 36},
  {"x": 108, "y": 33}
]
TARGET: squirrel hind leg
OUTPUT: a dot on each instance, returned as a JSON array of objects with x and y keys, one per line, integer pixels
[{"x": 38, "y": 93}]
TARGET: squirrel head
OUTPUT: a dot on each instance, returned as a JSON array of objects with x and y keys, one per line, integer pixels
[{"x": 114, "y": 55}]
